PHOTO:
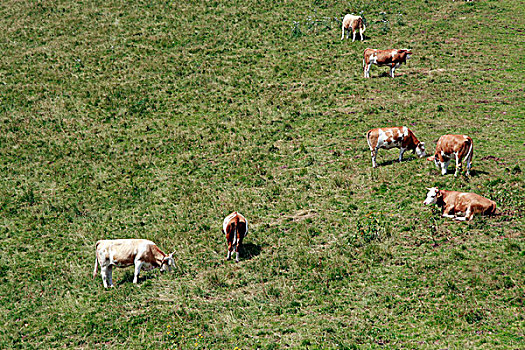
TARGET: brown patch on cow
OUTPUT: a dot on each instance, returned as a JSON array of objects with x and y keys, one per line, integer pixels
[{"x": 450, "y": 144}]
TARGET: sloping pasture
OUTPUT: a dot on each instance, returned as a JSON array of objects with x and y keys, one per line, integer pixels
[{"x": 156, "y": 119}]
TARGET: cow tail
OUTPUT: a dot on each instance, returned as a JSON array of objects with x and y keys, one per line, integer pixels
[
  {"x": 368, "y": 140},
  {"x": 96, "y": 262},
  {"x": 235, "y": 229}
]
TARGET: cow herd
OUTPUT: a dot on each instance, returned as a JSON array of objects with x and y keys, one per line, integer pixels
[{"x": 142, "y": 253}]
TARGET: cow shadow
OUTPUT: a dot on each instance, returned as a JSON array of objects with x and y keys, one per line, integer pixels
[
  {"x": 143, "y": 277},
  {"x": 395, "y": 161},
  {"x": 474, "y": 172},
  {"x": 250, "y": 250}
]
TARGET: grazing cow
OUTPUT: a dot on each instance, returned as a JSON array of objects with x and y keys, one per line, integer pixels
[
  {"x": 461, "y": 146},
  {"x": 235, "y": 227},
  {"x": 354, "y": 23},
  {"x": 392, "y": 58},
  {"x": 400, "y": 137},
  {"x": 127, "y": 252},
  {"x": 459, "y": 205}
]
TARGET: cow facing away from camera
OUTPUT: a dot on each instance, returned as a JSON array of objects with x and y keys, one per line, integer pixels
[
  {"x": 459, "y": 146},
  {"x": 459, "y": 206},
  {"x": 127, "y": 252},
  {"x": 391, "y": 57},
  {"x": 395, "y": 137},
  {"x": 353, "y": 23},
  {"x": 235, "y": 227}
]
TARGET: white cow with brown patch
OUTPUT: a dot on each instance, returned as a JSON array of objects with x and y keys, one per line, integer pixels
[
  {"x": 458, "y": 146},
  {"x": 235, "y": 227},
  {"x": 352, "y": 22},
  {"x": 394, "y": 137},
  {"x": 128, "y": 252},
  {"x": 391, "y": 57},
  {"x": 460, "y": 206}
]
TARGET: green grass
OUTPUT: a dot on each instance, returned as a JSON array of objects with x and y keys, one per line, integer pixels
[{"x": 155, "y": 119}]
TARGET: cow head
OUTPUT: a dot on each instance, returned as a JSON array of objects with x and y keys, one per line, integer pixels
[
  {"x": 167, "y": 263},
  {"x": 432, "y": 196},
  {"x": 420, "y": 150},
  {"x": 407, "y": 53}
]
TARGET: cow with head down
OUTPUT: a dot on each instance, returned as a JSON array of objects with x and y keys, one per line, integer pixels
[
  {"x": 458, "y": 146},
  {"x": 459, "y": 206},
  {"x": 391, "y": 57},
  {"x": 140, "y": 253},
  {"x": 353, "y": 23},
  {"x": 235, "y": 227},
  {"x": 394, "y": 137}
]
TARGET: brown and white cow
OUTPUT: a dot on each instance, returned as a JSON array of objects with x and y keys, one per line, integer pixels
[
  {"x": 459, "y": 206},
  {"x": 391, "y": 57},
  {"x": 127, "y": 252},
  {"x": 235, "y": 227},
  {"x": 399, "y": 137},
  {"x": 352, "y": 22},
  {"x": 459, "y": 146}
]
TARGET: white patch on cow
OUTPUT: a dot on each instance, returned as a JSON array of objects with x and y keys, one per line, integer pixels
[
  {"x": 373, "y": 58},
  {"x": 394, "y": 52}
]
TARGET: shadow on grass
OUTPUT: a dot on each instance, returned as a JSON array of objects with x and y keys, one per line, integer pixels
[
  {"x": 143, "y": 277},
  {"x": 250, "y": 250},
  {"x": 392, "y": 161},
  {"x": 474, "y": 172}
]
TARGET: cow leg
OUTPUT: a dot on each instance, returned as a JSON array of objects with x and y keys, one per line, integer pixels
[
  {"x": 361, "y": 33},
  {"x": 374, "y": 154},
  {"x": 367, "y": 70},
  {"x": 353, "y": 35},
  {"x": 469, "y": 162},
  {"x": 237, "y": 247},
  {"x": 459, "y": 166},
  {"x": 138, "y": 266},
  {"x": 104, "y": 274},
  {"x": 343, "y": 32},
  {"x": 401, "y": 151},
  {"x": 110, "y": 275},
  {"x": 230, "y": 249},
  {"x": 444, "y": 166},
  {"x": 448, "y": 212}
]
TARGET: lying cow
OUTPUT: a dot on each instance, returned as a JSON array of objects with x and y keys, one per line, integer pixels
[
  {"x": 235, "y": 227},
  {"x": 400, "y": 137},
  {"x": 351, "y": 22},
  {"x": 459, "y": 146},
  {"x": 127, "y": 252},
  {"x": 459, "y": 205},
  {"x": 392, "y": 58}
]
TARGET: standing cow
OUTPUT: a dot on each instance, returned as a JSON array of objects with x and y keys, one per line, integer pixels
[
  {"x": 391, "y": 57},
  {"x": 399, "y": 137},
  {"x": 128, "y": 252},
  {"x": 459, "y": 146},
  {"x": 235, "y": 227},
  {"x": 353, "y": 23}
]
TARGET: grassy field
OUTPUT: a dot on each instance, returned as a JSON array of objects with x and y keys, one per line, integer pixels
[{"x": 155, "y": 119}]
